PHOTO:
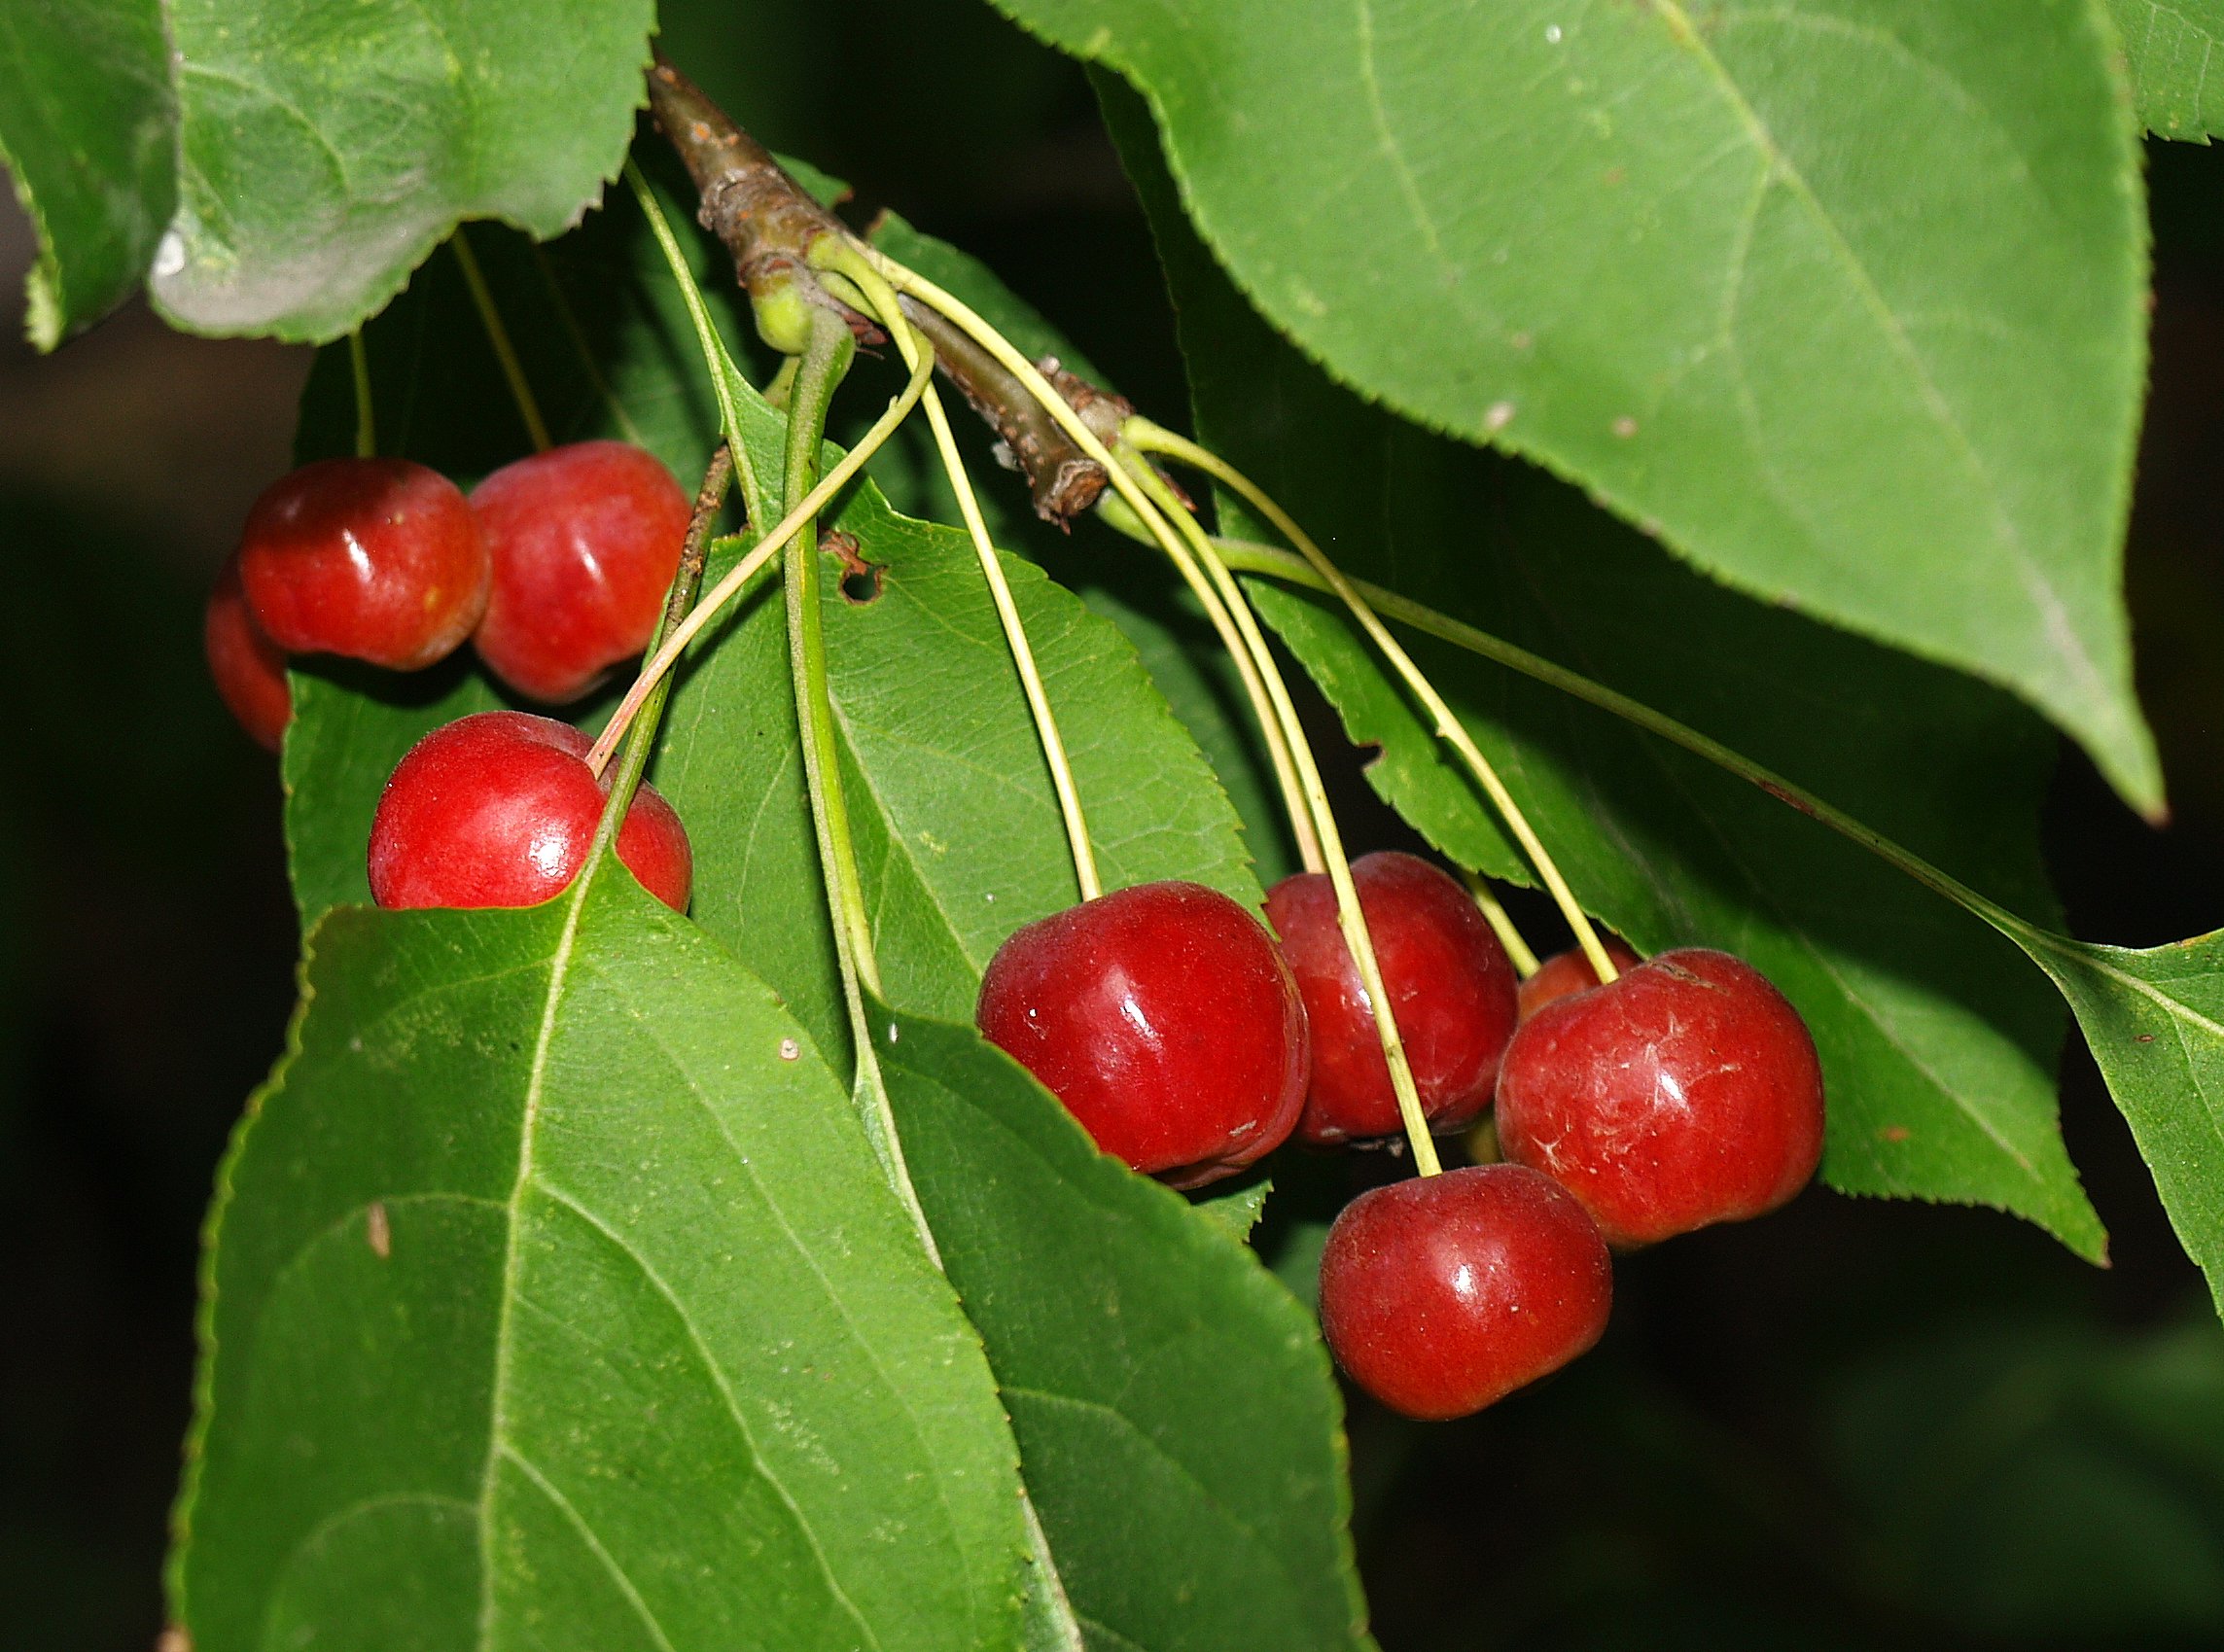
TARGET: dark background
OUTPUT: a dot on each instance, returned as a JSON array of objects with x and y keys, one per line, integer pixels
[{"x": 1853, "y": 1424}]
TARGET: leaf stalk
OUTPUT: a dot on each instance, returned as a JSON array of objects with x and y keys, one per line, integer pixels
[
  {"x": 498, "y": 337},
  {"x": 1275, "y": 563},
  {"x": 365, "y": 422}
]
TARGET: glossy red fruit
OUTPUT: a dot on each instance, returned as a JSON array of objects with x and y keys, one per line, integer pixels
[
  {"x": 1686, "y": 1093},
  {"x": 1451, "y": 991},
  {"x": 378, "y": 559},
  {"x": 1569, "y": 972},
  {"x": 1440, "y": 1294},
  {"x": 498, "y": 809},
  {"x": 249, "y": 670},
  {"x": 1165, "y": 1020},
  {"x": 585, "y": 541}
]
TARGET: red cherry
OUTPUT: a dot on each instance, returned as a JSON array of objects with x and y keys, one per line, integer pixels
[
  {"x": 1165, "y": 1020},
  {"x": 379, "y": 559},
  {"x": 249, "y": 672},
  {"x": 1569, "y": 972},
  {"x": 585, "y": 542},
  {"x": 498, "y": 809},
  {"x": 1442, "y": 1293},
  {"x": 1451, "y": 991},
  {"x": 1686, "y": 1093}
]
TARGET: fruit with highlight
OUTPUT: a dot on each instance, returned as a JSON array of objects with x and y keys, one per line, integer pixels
[{"x": 1164, "y": 1018}]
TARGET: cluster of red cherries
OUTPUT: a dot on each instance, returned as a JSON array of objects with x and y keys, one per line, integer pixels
[
  {"x": 1189, "y": 1041},
  {"x": 555, "y": 568}
]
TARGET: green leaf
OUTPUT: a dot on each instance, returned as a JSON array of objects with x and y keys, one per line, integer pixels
[
  {"x": 2171, "y": 46},
  {"x": 607, "y": 351},
  {"x": 957, "y": 825},
  {"x": 2154, "y": 1021},
  {"x": 555, "y": 1298},
  {"x": 1843, "y": 298},
  {"x": 959, "y": 272},
  {"x": 1176, "y": 1421},
  {"x": 323, "y": 152},
  {"x": 1236, "y": 1205},
  {"x": 87, "y": 124},
  {"x": 1144, "y": 598},
  {"x": 1938, "y": 1043},
  {"x": 970, "y": 844},
  {"x": 958, "y": 834}
]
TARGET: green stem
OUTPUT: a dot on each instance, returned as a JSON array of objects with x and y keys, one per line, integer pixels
[
  {"x": 762, "y": 505},
  {"x": 1517, "y": 950},
  {"x": 783, "y": 384},
  {"x": 366, "y": 426},
  {"x": 827, "y": 355},
  {"x": 880, "y": 298},
  {"x": 1350, "y": 918},
  {"x": 1151, "y": 437},
  {"x": 826, "y": 358},
  {"x": 1285, "y": 565},
  {"x": 498, "y": 335},
  {"x": 694, "y": 551}
]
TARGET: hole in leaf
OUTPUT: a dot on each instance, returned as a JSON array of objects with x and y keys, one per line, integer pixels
[{"x": 861, "y": 580}]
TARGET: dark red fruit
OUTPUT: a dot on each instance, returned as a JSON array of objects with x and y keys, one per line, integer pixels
[
  {"x": 1686, "y": 1093},
  {"x": 498, "y": 809},
  {"x": 585, "y": 542},
  {"x": 1451, "y": 991},
  {"x": 1569, "y": 972},
  {"x": 249, "y": 672},
  {"x": 1165, "y": 1020},
  {"x": 1442, "y": 1293},
  {"x": 379, "y": 559}
]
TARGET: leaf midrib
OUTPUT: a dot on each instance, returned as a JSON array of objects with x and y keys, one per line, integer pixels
[
  {"x": 1778, "y": 164},
  {"x": 560, "y": 970},
  {"x": 2092, "y": 959},
  {"x": 528, "y": 1178},
  {"x": 2070, "y": 645}
]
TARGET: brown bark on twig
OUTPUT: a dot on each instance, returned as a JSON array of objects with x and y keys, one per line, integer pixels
[
  {"x": 768, "y": 224},
  {"x": 1063, "y": 480},
  {"x": 696, "y": 548},
  {"x": 764, "y": 218}
]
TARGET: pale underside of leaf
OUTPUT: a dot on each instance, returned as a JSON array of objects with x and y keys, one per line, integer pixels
[
  {"x": 87, "y": 127},
  {"x": 321, "y": 158}
]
